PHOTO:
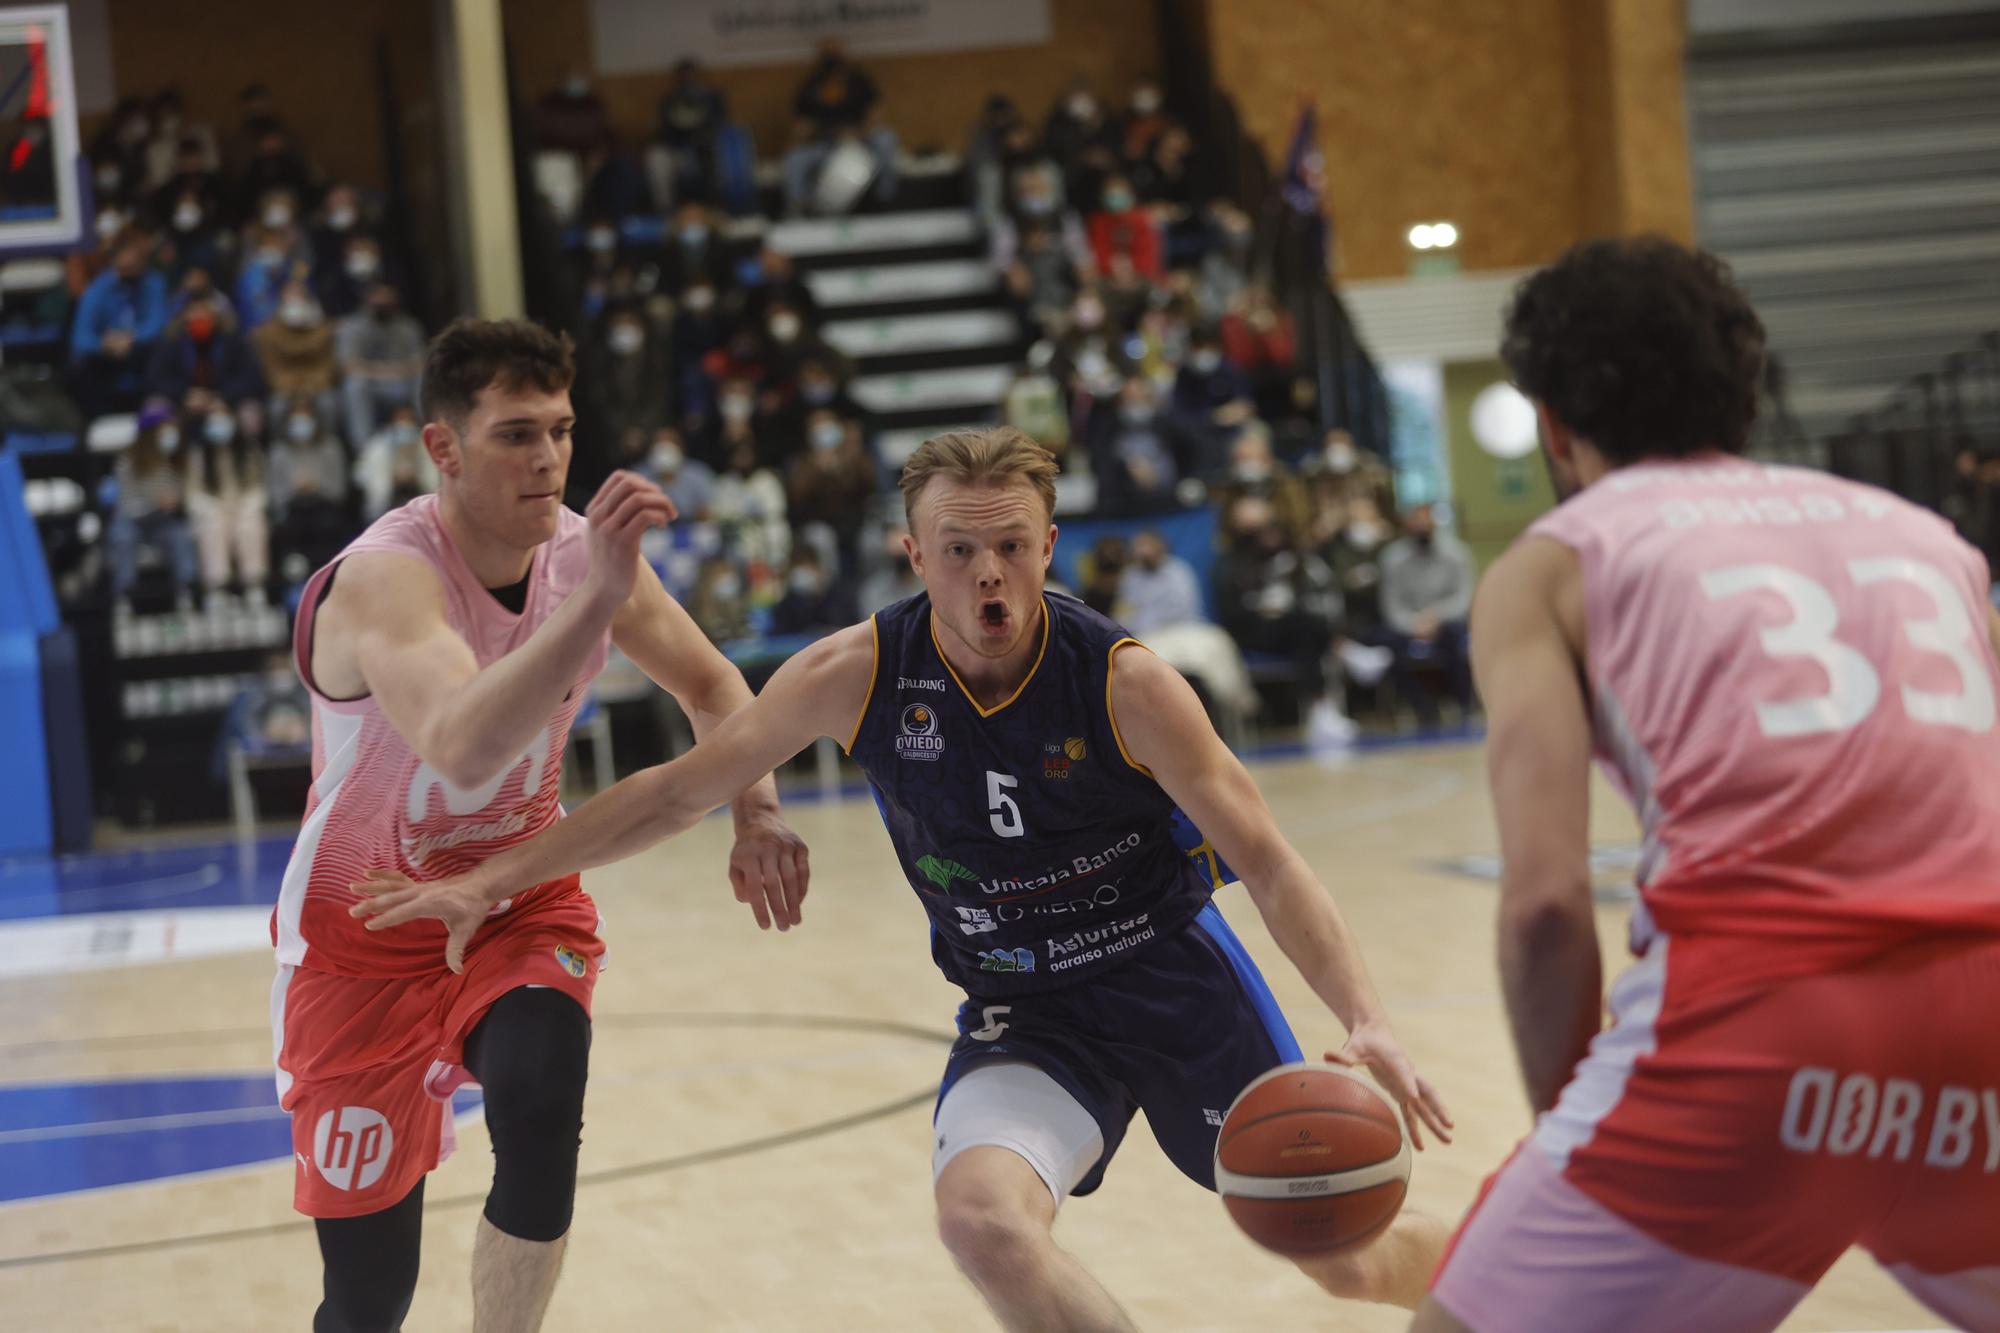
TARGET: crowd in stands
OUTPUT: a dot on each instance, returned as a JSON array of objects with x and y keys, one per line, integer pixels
[
  {"x": 1972, "y": 503},
  {"x": 240, "y": 312}
]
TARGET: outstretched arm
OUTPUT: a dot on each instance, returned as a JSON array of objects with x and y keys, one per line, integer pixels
[
  {"x": 1526, "y": 628},
  {"x": 1166, "y": 731},
  {"x": 817, "y": 693}
]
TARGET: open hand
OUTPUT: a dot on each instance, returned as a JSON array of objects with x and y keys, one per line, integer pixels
[
  {"x": 1376, "y": 1047},
  {"x": 389, "y": 898},
  {"x": 768, "y": 870},
  {"x": 624, "y": 507}
]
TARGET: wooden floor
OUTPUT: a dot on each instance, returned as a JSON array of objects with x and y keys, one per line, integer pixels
[{"x": 756, "y": 1149}]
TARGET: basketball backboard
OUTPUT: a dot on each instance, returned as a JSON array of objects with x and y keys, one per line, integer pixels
[{"x": 41, "y": 205}]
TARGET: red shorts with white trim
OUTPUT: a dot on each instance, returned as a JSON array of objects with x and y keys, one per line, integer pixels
[
  {"x": 1735, "y": 1140},
  {"x": 366, "y": 1064}
]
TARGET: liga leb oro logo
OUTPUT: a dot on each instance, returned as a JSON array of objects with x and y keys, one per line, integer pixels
[
  {"x": 1057, "y": 756},
  {"x": 919, "y": 738}
]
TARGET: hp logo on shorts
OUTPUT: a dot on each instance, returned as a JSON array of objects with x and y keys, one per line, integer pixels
[{"x": 352, "y": 1147}]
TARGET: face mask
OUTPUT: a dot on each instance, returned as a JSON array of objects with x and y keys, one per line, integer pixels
[
  {"x": 1206, "y": 362},
  {"x": 362, "y": 266},
  {"x": 109, "y": 224},
  {"x": 1252, "y": 472},
  {"x": 404, "y": 434},
  {"x": 220, "y": 428},
  {"x": 1364, "y": 534},
  {"x": 1117, "y": 200},
  {"x": 1040, "y": 355},
  {"x": 576, "y": 89},
  {"x": 803, "y": 581},
  {"x": 340, "y": 219},
  {"x": 602, "y": 240},
  {"x": 107, "y": 178},
  {"x": 736, "y": 408},
  {"x": 135, "y": 131},
  {"x": 1146, "y": 101},
  {"x": 1089, "y": 314},
  {"x": 168, "y": 437},
  {"x": 726, "y": 587},
  {"x": 694, "y": 233},
  {"x": 1340, "y": 458},
  {"x": 278, "y": 215},
  {"x": 187, "y": 217},
  {"x": 828, "y": 435},
  {"x": 1134, "y": 414},
  {"x": 667, "y": 458},
  {"x": 1082, "y": 106},
  {"x": 278, "y": 682},
  {"x": 270, "y": 256},
  {"x": 700, "y": 299},
  {"x": 1040, "y": 205},
  {"x": 199, "y": 327},
  {"x": 299, "y": 314},
  {"x": 785, "y": 328},
  {"x": 626, "y": 339},
  {"x": 817, "y": 393},
  {"x": 300, "y": 430}
]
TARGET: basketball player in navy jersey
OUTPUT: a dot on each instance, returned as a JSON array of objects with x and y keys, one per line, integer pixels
[{"x": 1028, "y": 758}]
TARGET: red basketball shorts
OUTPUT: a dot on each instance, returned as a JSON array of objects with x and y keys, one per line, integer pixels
[
  {"x": 364, "y": 1063},
  {"x": 1724, "y": 1142}
]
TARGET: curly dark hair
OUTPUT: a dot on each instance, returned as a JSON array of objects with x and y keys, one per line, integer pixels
[
  {"x": 475, "y": 354},
  {"x": 1642, "y": 346}
]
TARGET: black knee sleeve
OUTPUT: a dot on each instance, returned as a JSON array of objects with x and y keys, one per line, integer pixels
[
  {"x": 531, "y": 1054},
  {"x": 371, "y": 1267}
]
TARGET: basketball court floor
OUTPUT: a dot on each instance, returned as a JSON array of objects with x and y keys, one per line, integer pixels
[{"x": 756, "y": 1149}]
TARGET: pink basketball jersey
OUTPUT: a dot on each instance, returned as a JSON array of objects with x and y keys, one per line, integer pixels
[
  {"x": 1794, "y": 684},
  {"x": 376, "y": 803}
]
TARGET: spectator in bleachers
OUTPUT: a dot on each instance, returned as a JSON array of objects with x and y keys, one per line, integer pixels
[
  {"x": 1427, "y": 583},
  {"x": 832, "y": 482},
  {"x": 203, "y": 356},
  {"x": 773, "y": 278},
  {"x": 296, "y": 349},
  {"x": 891, "y": 579},
  {"x": 1103, "y": 574},
  {"x": 986, "y": 155},
  {"x": 178, "y": 146},
  {"x": 269, "y": 265},
  {"x": 1357, "y": 533},
  {"x": 275, "y": 168},
  {"x": 750, "y": 503},
  {"x": 688, "y": 482},
  {"x": 228, "y": 505},
  {"x": 692, "y": 113},
  {"x": 745, "y": 359},
  {"x": 340, "y": 220},
  {"x": 1255, "y": 471},
  {"x": 1090, "y": 360},
  {"x": 118, "y": 153},
  {"x": 256, "y": 113},
  {"x": 813, "y": 602},
  {"x": 1142, "y": 123},
  {"x": 1275, "y": 598},
  {"x": 1257, "y": 336},
  {"x": 1121, "y": 228},
  {"x": 1341, "y": 472},
  {"x": 720, "y": 604},
  {"x": 697, "y": 330},
  {"x": 1158, "y": 588},
  {"x": 308, "y": 478},
  {"x": 1033, "y": 403},
  {"x": 1041, "y": 274},
  {"x": 196, "y": 178},
  {"x": 342, "y": 283},
  {"x": 150, "y": 511},
  {"x": 625, "y": 379},
  {"x": 1224, "y": 269},
  {"x": 735, "y": 423},
  {"x": 118, "y": 321},
  {"x": 392, "y": 467},
  {"x": 381, "y": 354},
  {"x": 197, "y": 238},
  {"x": 694, "y": 253},
  {"x": 835, "y": 106},
  {"x": 1083, "y": 142},
  {"x": 615, "y": 185},
  {"x": 571, "y": 117},
  {"x": 1139, "y": 453},
  {"x": 1211, "y": 393}
]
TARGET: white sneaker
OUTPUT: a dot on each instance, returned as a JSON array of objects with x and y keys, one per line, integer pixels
[
  {"x": 1327, "y": 728},
  {"x": 1365, "y": 665}
]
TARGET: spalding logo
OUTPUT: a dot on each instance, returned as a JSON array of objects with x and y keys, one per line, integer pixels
[{"x": 1308, "y": 1186}]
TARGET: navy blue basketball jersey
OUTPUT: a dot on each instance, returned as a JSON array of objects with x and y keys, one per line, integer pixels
[{"x": 1041, "y": 851}]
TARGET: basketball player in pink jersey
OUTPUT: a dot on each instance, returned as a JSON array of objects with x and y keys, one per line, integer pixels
[
  {"x": 1792, "y": 678},
  {"x": 448, "y": 649}
]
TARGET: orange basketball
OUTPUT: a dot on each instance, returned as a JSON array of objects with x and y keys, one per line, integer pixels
[{"x": 1311, "y": 1158}]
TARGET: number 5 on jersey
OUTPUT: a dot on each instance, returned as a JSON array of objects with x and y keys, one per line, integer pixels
[
  {"x": 1004, "y": 815},
  {"x": 1853, "y": 684}
]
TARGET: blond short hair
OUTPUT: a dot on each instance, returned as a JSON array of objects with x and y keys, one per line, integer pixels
[{"x": 995, "y": 456}]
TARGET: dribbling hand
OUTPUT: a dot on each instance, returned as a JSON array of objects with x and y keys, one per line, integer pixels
[
  {"x": 389, "y": 898},
  {"x": 1376, "y": 1047},
  {"x": 619, "y": 514}
]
